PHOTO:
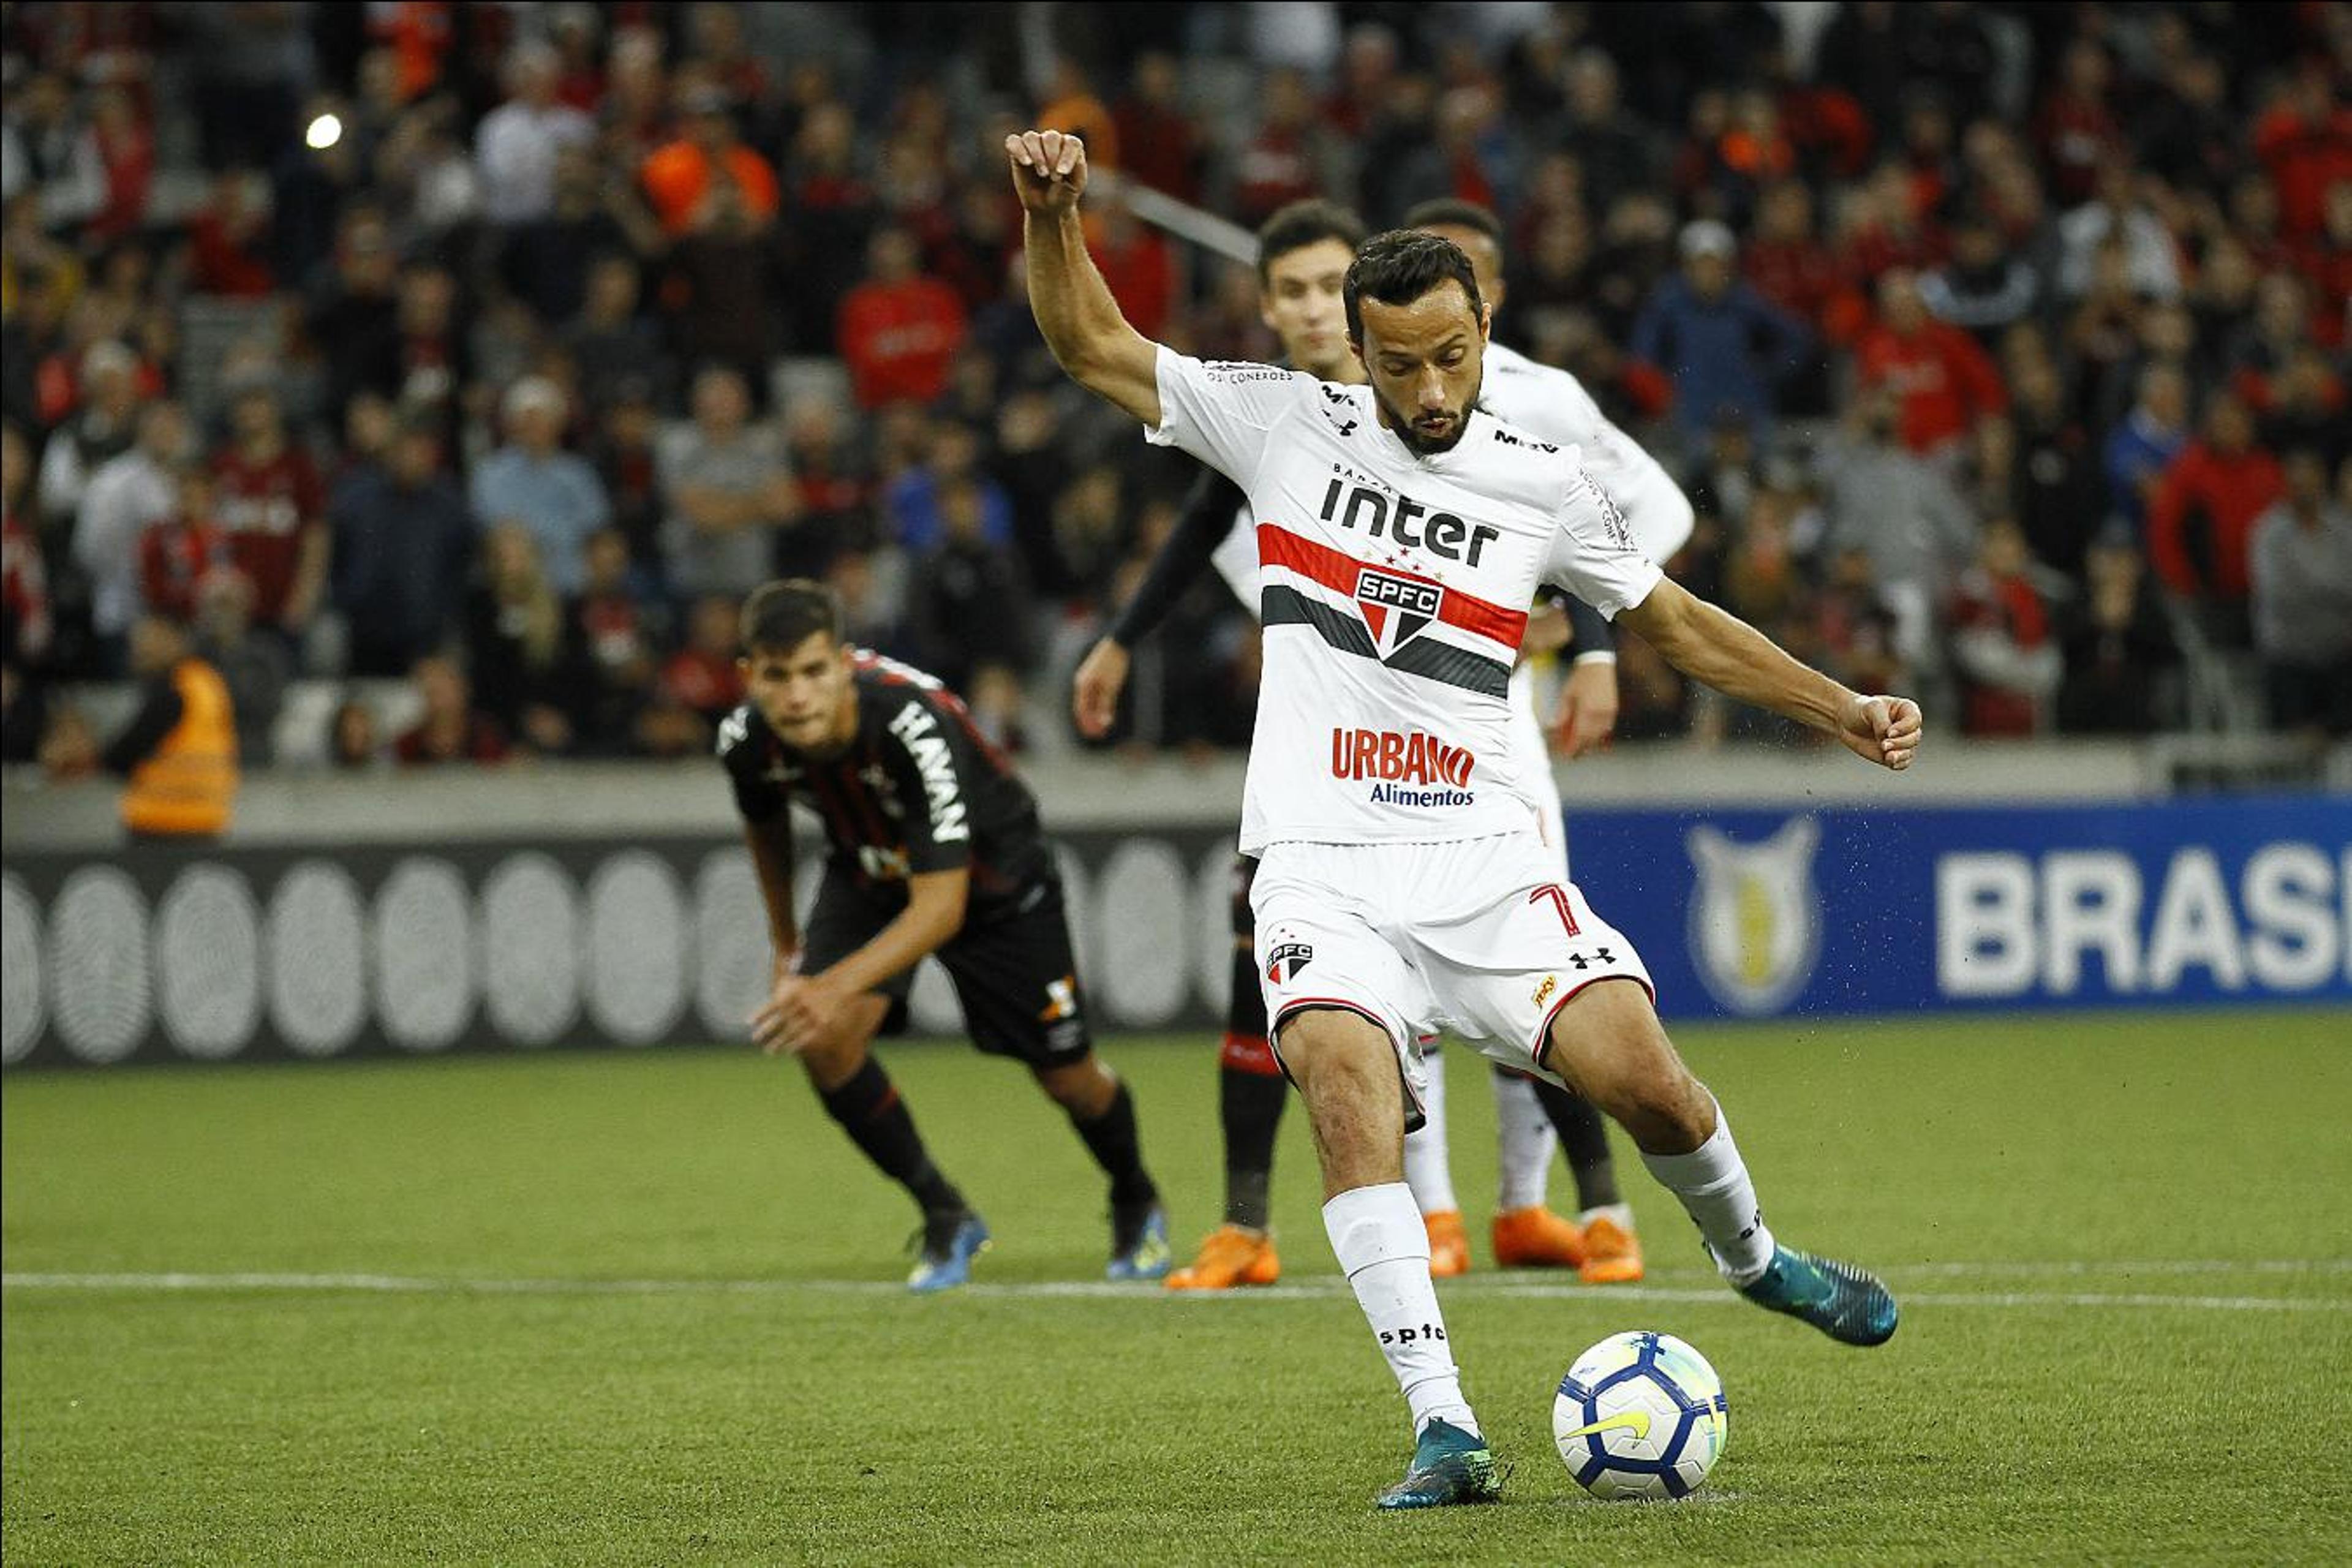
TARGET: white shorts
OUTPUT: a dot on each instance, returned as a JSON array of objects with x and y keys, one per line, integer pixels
[{"x": 1472, "y": 938}]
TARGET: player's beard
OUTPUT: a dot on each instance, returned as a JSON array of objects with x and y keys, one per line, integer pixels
[{"x": 1409, "y": 434}]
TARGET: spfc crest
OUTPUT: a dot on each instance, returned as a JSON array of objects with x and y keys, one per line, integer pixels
[
  {"x": 1287, "y": 960},
  {"x": 1755, "y": 918},
  {"x": 1395, "y": 607}
]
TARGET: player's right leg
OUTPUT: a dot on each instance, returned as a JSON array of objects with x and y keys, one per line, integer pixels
[
  {"x": 1341, "y": 998},
  {"x": 1346, "y": 1071},
  {"x": 1606, "y": 1041},
  {"x": 1250, "y": 1095},
  {"x": 858, "y": 1095}
]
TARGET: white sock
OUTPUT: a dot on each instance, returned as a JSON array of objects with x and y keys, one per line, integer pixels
[
  {"x": 1618, "y": 1215},
  {"x": 1523, "y": 1142},
  {"x": 1712, "y": 1182},
  {"x": 1428, "y": 1170},
  {"x": 1383, "y": 1249}
]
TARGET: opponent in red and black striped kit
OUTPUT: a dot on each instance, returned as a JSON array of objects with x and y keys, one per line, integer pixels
[{"x": 935, "y": 850}]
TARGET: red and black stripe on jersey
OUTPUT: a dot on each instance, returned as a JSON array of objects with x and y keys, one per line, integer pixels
[
  {"x": 1281, "y": 604},
  {"x": 918, "y": 788}
]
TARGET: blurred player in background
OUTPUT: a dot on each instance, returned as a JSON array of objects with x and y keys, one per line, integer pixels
[
  {"x": 1554, "y": 406},
  {"x": 936, "y": 850},
  {"x": 1402, "y": 882}
]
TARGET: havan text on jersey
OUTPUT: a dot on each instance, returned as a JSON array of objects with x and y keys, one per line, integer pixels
[{"x": 917, "y": 730}]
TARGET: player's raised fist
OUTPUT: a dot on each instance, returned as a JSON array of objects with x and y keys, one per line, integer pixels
[
  {"x": 1883, "y": 730},
  {"x": 1049, "y": 169}
]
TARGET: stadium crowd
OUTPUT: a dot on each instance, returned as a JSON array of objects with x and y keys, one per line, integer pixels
[{"x": 501, "y": 349}]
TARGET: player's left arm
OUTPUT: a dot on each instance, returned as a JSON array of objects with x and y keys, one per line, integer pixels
[{"x": 1710, "y": 644}]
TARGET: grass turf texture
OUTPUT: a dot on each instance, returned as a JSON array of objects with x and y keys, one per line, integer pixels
[{"x": 2123, "y": 1245}]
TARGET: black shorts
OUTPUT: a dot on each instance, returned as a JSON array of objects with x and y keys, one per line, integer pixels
[{"x": 1013, "y": 974}]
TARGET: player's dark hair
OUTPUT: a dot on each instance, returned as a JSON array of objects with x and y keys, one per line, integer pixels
[
  {"x": 780, "y": 615},
  {"x": 1399, "y": 267},
  {"x": 1452, "y": 212},
  {"x": 1302, "y": 224}
]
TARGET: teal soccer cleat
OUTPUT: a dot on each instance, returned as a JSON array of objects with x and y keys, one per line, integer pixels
[
  {"x": 1449, "y": 1467},
  {"x": 1139, "y": 1244},
  {"x": 1844, "y": 1303},
  {"x": 950, "y": 1242}
]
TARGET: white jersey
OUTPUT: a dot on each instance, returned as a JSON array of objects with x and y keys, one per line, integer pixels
[
  {"x": 1394, "y": 590},
  {"x": 1548, "y": 402}
]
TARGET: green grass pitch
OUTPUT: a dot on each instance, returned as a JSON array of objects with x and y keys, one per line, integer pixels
[{"x": 645, "y": 1308}]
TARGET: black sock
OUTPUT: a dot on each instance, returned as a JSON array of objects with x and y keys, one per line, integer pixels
[
  {"x": 1584, "y": 1138},
  {"x": 877, "y": 1122},
  {"x": 1112, "y": 1139},
  {"x": 1250, "y": 1106}
]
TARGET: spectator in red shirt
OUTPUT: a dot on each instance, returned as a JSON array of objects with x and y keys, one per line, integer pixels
[
  {"x": 177, "y": 552},
  {"x": 274, "y": 509},
  {"x": 1945, "y": 385},
  {"x": 451, "y": 730},
  {"x": 1289, "y": 157},
  {"x": 2075, "y": 130},
  {"x": 126, "y": 149},
  {"x": 229, "y": 241},
  {"x": 899, "y": 330},
  {"x": 1790, "y": 267},
  {"x": 23, "y": 582},
  {"x": 1136, "y": 264},
  {"x": 2305, "y": 143},
  {"x": 1159, "y": 141},
  {"x": 2201, "y": 517},
  {"x": 702, "y": 676},
  {"x": 2004, "y": 639},
  {"x": 2326, "y": 264}
]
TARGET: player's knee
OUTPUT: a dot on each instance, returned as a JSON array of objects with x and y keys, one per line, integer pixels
[{"x": 1084, "y": 1087}]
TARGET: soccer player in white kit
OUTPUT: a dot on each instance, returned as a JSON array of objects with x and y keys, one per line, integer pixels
[
  {"x": 1304, "y": 251},
  {"x": 1403, "y": 884}
]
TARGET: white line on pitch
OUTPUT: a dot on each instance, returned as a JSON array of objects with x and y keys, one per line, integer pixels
[{"x": 1521, "y": 1286}]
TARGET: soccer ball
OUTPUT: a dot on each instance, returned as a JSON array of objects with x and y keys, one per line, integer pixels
[{"x": 1640, "y": 1415}]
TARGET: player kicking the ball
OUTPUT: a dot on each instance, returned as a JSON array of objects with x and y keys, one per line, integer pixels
[
  {"x": 1404, "y": 881},
  {"x": 1303, "y": 251},
  {"x": 936, "y": 850}
]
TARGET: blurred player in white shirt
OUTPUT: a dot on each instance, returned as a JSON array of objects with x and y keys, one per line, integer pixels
[
  {"x": 1552, "y": 403},
  {"x": 1404, "y": 883}
]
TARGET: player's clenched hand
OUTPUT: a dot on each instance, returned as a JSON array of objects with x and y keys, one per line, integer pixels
[
  {"x": 1049, "y": 169},
  {"x": 1882, "y": 729},
  {"x": 1094, "y": 694},
  {"x": 1587, "y": 706}
]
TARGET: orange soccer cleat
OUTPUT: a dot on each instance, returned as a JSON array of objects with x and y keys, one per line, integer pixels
[
  {"x": 1535, "y": 1237},
  {"x": 1612, "y": 1254},
  {"x": 1232, "y": 1256},
  {"x": 1449, "y": 1248}
]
